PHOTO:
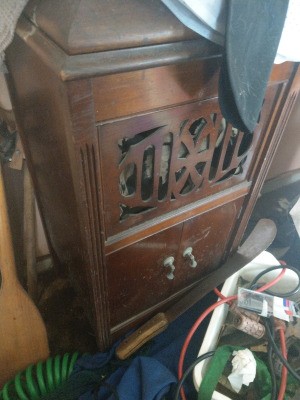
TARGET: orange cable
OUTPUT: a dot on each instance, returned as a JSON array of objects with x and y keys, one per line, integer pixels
[{"x": 283, "y": 380}]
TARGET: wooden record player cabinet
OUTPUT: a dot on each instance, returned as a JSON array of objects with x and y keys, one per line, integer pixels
[{"x": 143, "y": 187}]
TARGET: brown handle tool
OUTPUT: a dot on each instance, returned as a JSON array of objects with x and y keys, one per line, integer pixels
[{"x": 260, "y": 238}]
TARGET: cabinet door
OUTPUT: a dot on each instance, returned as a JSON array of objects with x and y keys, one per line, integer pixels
[
  {"x": 137, "y": 277},
  {"x": 204, "y": 241}
]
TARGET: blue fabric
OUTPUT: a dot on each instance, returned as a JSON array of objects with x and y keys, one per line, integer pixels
[
  {"x": 151, "y": 376},
  {"x": 93, "y": 362},
  {"x": 145, "y": 379}
]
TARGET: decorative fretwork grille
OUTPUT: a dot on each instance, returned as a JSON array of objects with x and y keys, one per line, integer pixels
[{"x": 163, "y": 164}]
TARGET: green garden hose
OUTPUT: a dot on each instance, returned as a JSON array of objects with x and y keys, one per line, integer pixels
[{"x": 40, "y": 379}]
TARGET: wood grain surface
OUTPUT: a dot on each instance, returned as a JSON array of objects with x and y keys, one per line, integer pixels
[{"x": 23, "y": 335}]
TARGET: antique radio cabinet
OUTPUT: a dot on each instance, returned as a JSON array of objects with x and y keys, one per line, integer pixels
[{"x": 143, "y": 186}]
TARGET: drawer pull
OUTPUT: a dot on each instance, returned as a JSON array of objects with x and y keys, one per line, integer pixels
[
  {"x": 188, "y": 253},
  {"x": 169, "y": 263}
]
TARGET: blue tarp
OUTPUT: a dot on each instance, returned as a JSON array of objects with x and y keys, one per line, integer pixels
[{"x": 152, "y": 374}]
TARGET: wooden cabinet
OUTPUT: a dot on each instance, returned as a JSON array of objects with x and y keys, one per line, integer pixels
[{"x": 143, "y": 186}]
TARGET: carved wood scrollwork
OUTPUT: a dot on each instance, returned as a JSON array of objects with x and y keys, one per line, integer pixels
[{"x": 163, "y": 164}]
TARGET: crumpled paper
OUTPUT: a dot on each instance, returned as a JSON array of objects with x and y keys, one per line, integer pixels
[{"x": 244, "y": 369}]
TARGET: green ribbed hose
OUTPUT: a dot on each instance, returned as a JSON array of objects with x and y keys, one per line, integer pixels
[{"x": 40, "y": 379}]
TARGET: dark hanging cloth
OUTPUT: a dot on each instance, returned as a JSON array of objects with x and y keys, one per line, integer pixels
[{"x": 253, "y": 33}]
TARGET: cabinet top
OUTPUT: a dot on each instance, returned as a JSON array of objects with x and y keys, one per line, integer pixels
[{"x": 88, "y": 26}]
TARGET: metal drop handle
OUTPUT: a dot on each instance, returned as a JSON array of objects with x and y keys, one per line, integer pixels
[
  {"x": 188, "y": 253},
  {"x": 169, "y": 263}
]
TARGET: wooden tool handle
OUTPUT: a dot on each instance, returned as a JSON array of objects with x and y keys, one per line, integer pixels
[
  {"x": 141, "y": 336},
  {"x": 7, "y": 259},
  {"x": 30, "y": 234}
]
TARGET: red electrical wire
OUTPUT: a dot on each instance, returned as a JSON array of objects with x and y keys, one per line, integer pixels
[
  {"x": 205, "y": 314},
  {"x": 284, "y": 369},
  {"x": 275, "y": 280},
  {"x": 191, "y": 333},
  {"x": 272, "y": 283},
  {"x": 219, "y": 294}
]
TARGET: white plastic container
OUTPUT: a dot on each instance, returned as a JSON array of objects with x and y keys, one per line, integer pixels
[{"x": 210, "y": 341}]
